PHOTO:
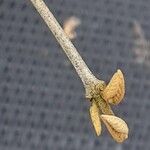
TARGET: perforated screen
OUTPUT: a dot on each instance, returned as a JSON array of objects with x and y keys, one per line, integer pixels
[{"x": 42, "y": 103}]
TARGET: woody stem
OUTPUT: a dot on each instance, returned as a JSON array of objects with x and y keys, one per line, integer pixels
[{"x": 81, "y": 68}]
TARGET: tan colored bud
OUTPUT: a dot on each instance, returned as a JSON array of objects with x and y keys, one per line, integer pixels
[
  {"x": 69, "y": 26},
  {"x": 116, "y": 126},
  {"x": 115, "y": 90},
  {"x": 95, "y": 117}
]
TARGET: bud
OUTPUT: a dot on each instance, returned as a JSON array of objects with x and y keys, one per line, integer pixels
[
  {"x": 70, "y": 25},
  {"x": 115, "y": 90},
  {"x": 95, "y": 117},
  {"x": 116, "y": 126}
]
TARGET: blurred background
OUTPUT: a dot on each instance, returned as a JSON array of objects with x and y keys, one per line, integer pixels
[{"x": 42, "y": 102}]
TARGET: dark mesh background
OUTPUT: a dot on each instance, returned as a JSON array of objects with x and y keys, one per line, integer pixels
[{"x": 42, "y": 104}]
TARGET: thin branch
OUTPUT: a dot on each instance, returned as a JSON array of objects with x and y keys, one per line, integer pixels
[
  {"x": 95, "y": 89},
  {"x": 83, "y": 71}
]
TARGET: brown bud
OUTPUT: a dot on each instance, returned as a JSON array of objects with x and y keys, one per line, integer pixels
[
  {"x": 116, "y": 126},
  {"x": 115, "y": 90},
  {"x": 95, "y": 117}
]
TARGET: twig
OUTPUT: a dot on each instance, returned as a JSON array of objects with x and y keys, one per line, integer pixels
[
  {"x": 88, "y": 79},
  {"x": 96, "y": 90}
]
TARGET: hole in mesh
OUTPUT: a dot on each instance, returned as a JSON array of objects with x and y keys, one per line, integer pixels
[
  {"x": 6, "y": 70},
  {"x": 35, "y": 42},
  {"x": 139, "y": 147},
  {"x": 31, "y": 72},
  {"x": 3, "y": 110},
  {"x": 23, "y": 41},
  {"x": 42, "y": 115},
  {"x": 106, "y": 41},
  {"x": 29, "y": 135},
  {"x": 96, "y": 143},
  {"x": 17, "y": 90},
  {"x": 6, "y": 122},
  {"x": 3, "y": 132},
  {"x": 43, "y": 74},
  {"x": 42, "y": 94},
  {"x": 120, "y": 44},
  {"x": 6, "y": 100},
  {"x": 36, "y": 21},
  {"x": 56, "y": 138},
  {"x": 32, "y": 103},
  {"x": 131, "y": 7},
  {"x": 69, "y": 140},
  {"x": 25, "y": 19},
  {"x": 108, "y": 21},
  {"x": 59, "y": 12},
  {"x": 16, "y": 134},
  {"x": 109, "y": 32},
  {"x": 16, "y": 112},
  {"x": 11, "y": 39},
  {"x": 72, "y": 107},
  {"x": 12, "y": 5},
  {"x": 69, "y": 118},
  {"x": 2, "y": 16},
  {"x": 84, "y": 141},
  {"x": 33, "y": 146},
  {"x": 46, "y": 147},
  {"x": 110, "y": 11},
  {"x": 33, "y": 125},
  {"x": 33, "y": 31},
  {"x": 24, "y": 6},
  {"x": 1, "y": 2},
  {"x": 119, "y": 23},
  {"x": 147, "y": 107},
  {"x": 43, "y": 137},
  {"x": 5, "y": 89},
  {"x": 22, "y": 60},
  {"x": 46, "y": 104},
  {"x": 18, "y": 71},
  {"x": 9, "y": 28},
  {"x": 95, "y": 18},
  {"x": 13, "y": 18},
  {"x": 58, "y": 127},
  {"x": 46, "y": 84},
  {"x": 45, "y": 125},
  {"x": 21, "y": 29},
  {"x": 45, "y": 32},
  {"x": 19, "y": 144},
  {"x": 29, "y": 113},
  {"x": 20, "y": 80},
  {"x": 85, "y": 130},
  {"x": 73, "y": 129},
  {"x": 57, "y": 96},
  {"x": 34, "y": 62},
  {"x": 118, "y": 4},
  {"x": 30, "y": 93}
]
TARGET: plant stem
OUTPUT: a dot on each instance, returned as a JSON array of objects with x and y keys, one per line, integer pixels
[{"x": 83, "y": 71}]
